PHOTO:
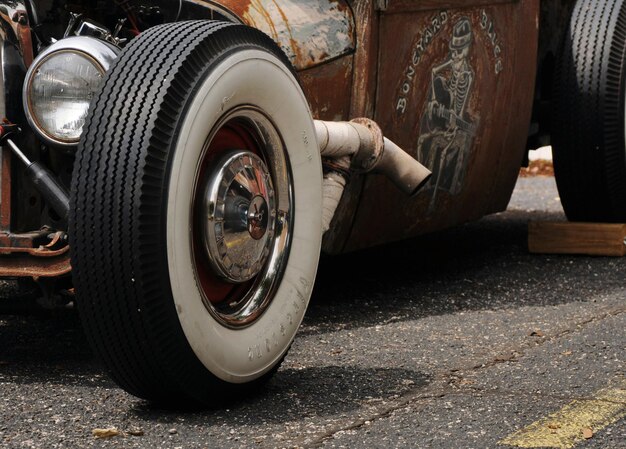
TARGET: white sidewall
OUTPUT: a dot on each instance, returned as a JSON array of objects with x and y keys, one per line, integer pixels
[{"x": 257, "y": 78}]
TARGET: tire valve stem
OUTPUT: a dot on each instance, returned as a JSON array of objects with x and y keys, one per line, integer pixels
[{"x": 44, "y": 180}]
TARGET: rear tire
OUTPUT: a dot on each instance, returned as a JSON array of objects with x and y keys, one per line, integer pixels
[
  {"x": 588, "y": 130},
  {"x": 169, "y": 327}
]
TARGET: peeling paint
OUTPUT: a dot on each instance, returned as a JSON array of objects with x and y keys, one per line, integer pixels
[{"x": 309, "y": 32}]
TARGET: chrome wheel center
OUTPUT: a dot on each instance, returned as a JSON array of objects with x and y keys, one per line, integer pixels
[
  {"x": 242, "y": 216},
  {"x": 257, "y": 217},
  {"x": 238, "y": 216}
]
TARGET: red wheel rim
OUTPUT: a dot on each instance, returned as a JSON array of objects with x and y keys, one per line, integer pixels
[{"x": 232, "y": 135}]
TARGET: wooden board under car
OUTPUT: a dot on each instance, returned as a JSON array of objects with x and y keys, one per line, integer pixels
[{"x": 595, "y": 239}]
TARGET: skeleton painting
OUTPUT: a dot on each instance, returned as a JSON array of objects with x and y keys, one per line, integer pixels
[{"x": 447, "y": 130}]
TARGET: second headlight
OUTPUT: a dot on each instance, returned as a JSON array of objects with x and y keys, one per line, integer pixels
[{"x": 60, "y": 84}]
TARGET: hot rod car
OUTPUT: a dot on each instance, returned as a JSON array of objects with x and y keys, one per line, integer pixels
[{"x": 174, "y": 167}]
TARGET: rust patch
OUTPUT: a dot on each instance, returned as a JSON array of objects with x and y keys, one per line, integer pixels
[
  {"x": 25, "y": 38},
  {"x": 36, "y": 244},
  {"x": 309, "y": 32},
  {"x": 21, "y": 256},
  {"x": 327, "y": 88},
  {"x": 34, "y": 254},
  {"x": 20, "y": 265}
]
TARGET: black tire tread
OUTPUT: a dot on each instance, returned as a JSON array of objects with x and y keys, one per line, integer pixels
[
  {"x": 117, "y": 216},
  {"x": 588, "y": 124}
]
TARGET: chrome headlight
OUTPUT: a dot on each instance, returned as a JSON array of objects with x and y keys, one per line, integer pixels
[{"x": 60, "y": 84}]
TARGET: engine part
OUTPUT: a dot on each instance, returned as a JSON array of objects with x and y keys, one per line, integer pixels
[
  {"x": 80, "y": 26},
  {"x": 53, "y": 192}
]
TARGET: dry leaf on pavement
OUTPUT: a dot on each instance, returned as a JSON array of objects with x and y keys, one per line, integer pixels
[{"x": 105, "y": 433}]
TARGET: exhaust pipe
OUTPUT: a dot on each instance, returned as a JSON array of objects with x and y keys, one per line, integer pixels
[{"x": 359, "y": 146}]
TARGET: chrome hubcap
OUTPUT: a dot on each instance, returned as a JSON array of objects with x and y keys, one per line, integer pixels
[
  {"x": 242, "y": 216},
  {"x": 258, "y": 217},
  {"x": 239, "y": 211}
]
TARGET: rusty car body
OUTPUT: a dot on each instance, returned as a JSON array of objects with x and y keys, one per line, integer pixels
[{"x": 465, "y": 88}]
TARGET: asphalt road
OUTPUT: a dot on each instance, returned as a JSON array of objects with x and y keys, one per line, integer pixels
[{"x": 455, "y": 340}]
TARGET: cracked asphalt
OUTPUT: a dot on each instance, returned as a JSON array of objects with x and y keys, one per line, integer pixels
[{"x": 453, "y": 340}]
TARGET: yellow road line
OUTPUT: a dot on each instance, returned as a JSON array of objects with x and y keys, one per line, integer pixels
[{"x": 575, "y": 422}]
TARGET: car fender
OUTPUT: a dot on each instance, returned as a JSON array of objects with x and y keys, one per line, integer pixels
[{"x": 310, "y": 33}]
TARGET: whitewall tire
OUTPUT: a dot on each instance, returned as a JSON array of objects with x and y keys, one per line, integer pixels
[{"x": 199, "y": 174}]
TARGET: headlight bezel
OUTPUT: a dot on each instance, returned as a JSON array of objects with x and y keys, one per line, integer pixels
[{"x": 99, "y": 53}]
